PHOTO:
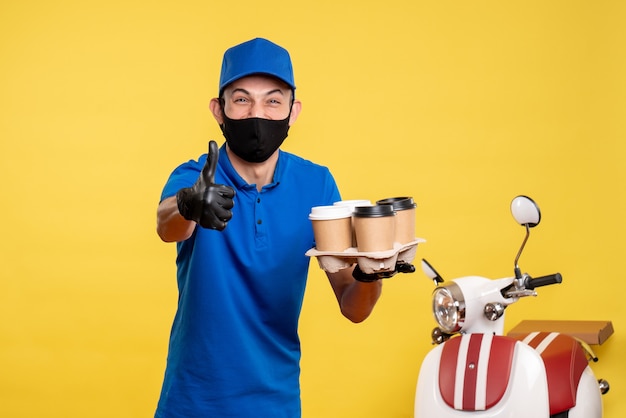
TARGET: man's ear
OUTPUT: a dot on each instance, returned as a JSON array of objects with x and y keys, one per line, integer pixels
[
  {"x": 296, "y": 107},
  {"x": 216, "y": 109}
]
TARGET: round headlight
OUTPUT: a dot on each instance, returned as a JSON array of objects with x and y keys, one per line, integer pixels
[{"x": 449, "y": 307}]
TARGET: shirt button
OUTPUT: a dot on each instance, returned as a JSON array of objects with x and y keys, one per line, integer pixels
[{"x": 259, "y": 222}]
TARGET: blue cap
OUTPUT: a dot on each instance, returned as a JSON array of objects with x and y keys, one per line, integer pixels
[{"x": 257, "y": 56}]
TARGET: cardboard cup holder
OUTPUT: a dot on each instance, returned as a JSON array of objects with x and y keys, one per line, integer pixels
[{"x": 369, "y": 262}]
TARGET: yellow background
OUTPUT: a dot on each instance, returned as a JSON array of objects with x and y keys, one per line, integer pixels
[{"x": 460, "y": 104}]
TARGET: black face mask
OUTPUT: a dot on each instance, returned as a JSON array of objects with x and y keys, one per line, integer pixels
[{"x": 254, "y": 139}]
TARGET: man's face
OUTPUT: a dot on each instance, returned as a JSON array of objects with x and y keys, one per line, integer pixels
[{"x": 257, "y": 96}]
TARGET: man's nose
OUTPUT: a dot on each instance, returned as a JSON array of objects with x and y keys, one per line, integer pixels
[{"x": 257, "y": 111}]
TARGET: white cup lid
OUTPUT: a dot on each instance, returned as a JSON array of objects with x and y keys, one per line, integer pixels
[
  {"x": 353, "y": 203},
  {"x": 323, "y": 213}
]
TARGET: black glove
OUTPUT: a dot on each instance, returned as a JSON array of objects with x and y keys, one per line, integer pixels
[
  {"x": 207, "y": 203},
  {"x": 358, "y": 274}
]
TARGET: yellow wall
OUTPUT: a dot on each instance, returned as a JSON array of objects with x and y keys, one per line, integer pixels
[{"x": 460, "y": 104}]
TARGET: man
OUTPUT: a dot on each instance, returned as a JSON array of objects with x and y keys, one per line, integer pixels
[{"x": 240, "y": 220}]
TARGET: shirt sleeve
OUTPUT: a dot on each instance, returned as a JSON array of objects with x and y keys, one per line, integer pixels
[{"x": 185, "y": 175}]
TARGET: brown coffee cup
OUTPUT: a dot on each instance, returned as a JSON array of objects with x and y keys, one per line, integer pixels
[
  {"x": 332, "y": 227},
  {"x": 374, "y": 227},
  {"x": 352, "y": 204},
  {"x": 405, "y": 217}
]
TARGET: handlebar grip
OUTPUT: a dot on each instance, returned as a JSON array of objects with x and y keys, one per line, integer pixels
[{"x": 544, "y": 281}]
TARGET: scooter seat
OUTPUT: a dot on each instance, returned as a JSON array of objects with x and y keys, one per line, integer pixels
[
  {"x": 474, "y": 370},
  {"x": 565, "y": 362}
]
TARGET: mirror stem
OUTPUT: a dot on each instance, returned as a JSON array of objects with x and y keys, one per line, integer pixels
[{"x": 518, "y": 273}]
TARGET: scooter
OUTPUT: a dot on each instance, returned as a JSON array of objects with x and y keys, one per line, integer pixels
[{"x": 476, "y": 371}]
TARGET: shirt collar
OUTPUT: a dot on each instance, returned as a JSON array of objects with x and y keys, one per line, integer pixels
[{"x": 238, "y": 181}]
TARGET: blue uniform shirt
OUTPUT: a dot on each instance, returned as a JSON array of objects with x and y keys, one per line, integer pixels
[{"x": 234, "y": 349}]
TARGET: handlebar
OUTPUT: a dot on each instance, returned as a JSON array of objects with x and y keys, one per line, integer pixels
[{"x": 544, "y": 281}]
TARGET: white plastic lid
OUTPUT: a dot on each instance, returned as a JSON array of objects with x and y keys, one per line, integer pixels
[
  {"x": 323, "y": 213},
  {"x": 353, "y": 203}
]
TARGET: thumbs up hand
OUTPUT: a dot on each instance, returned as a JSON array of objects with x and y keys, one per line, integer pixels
[{"x": 207, "y": 203}]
